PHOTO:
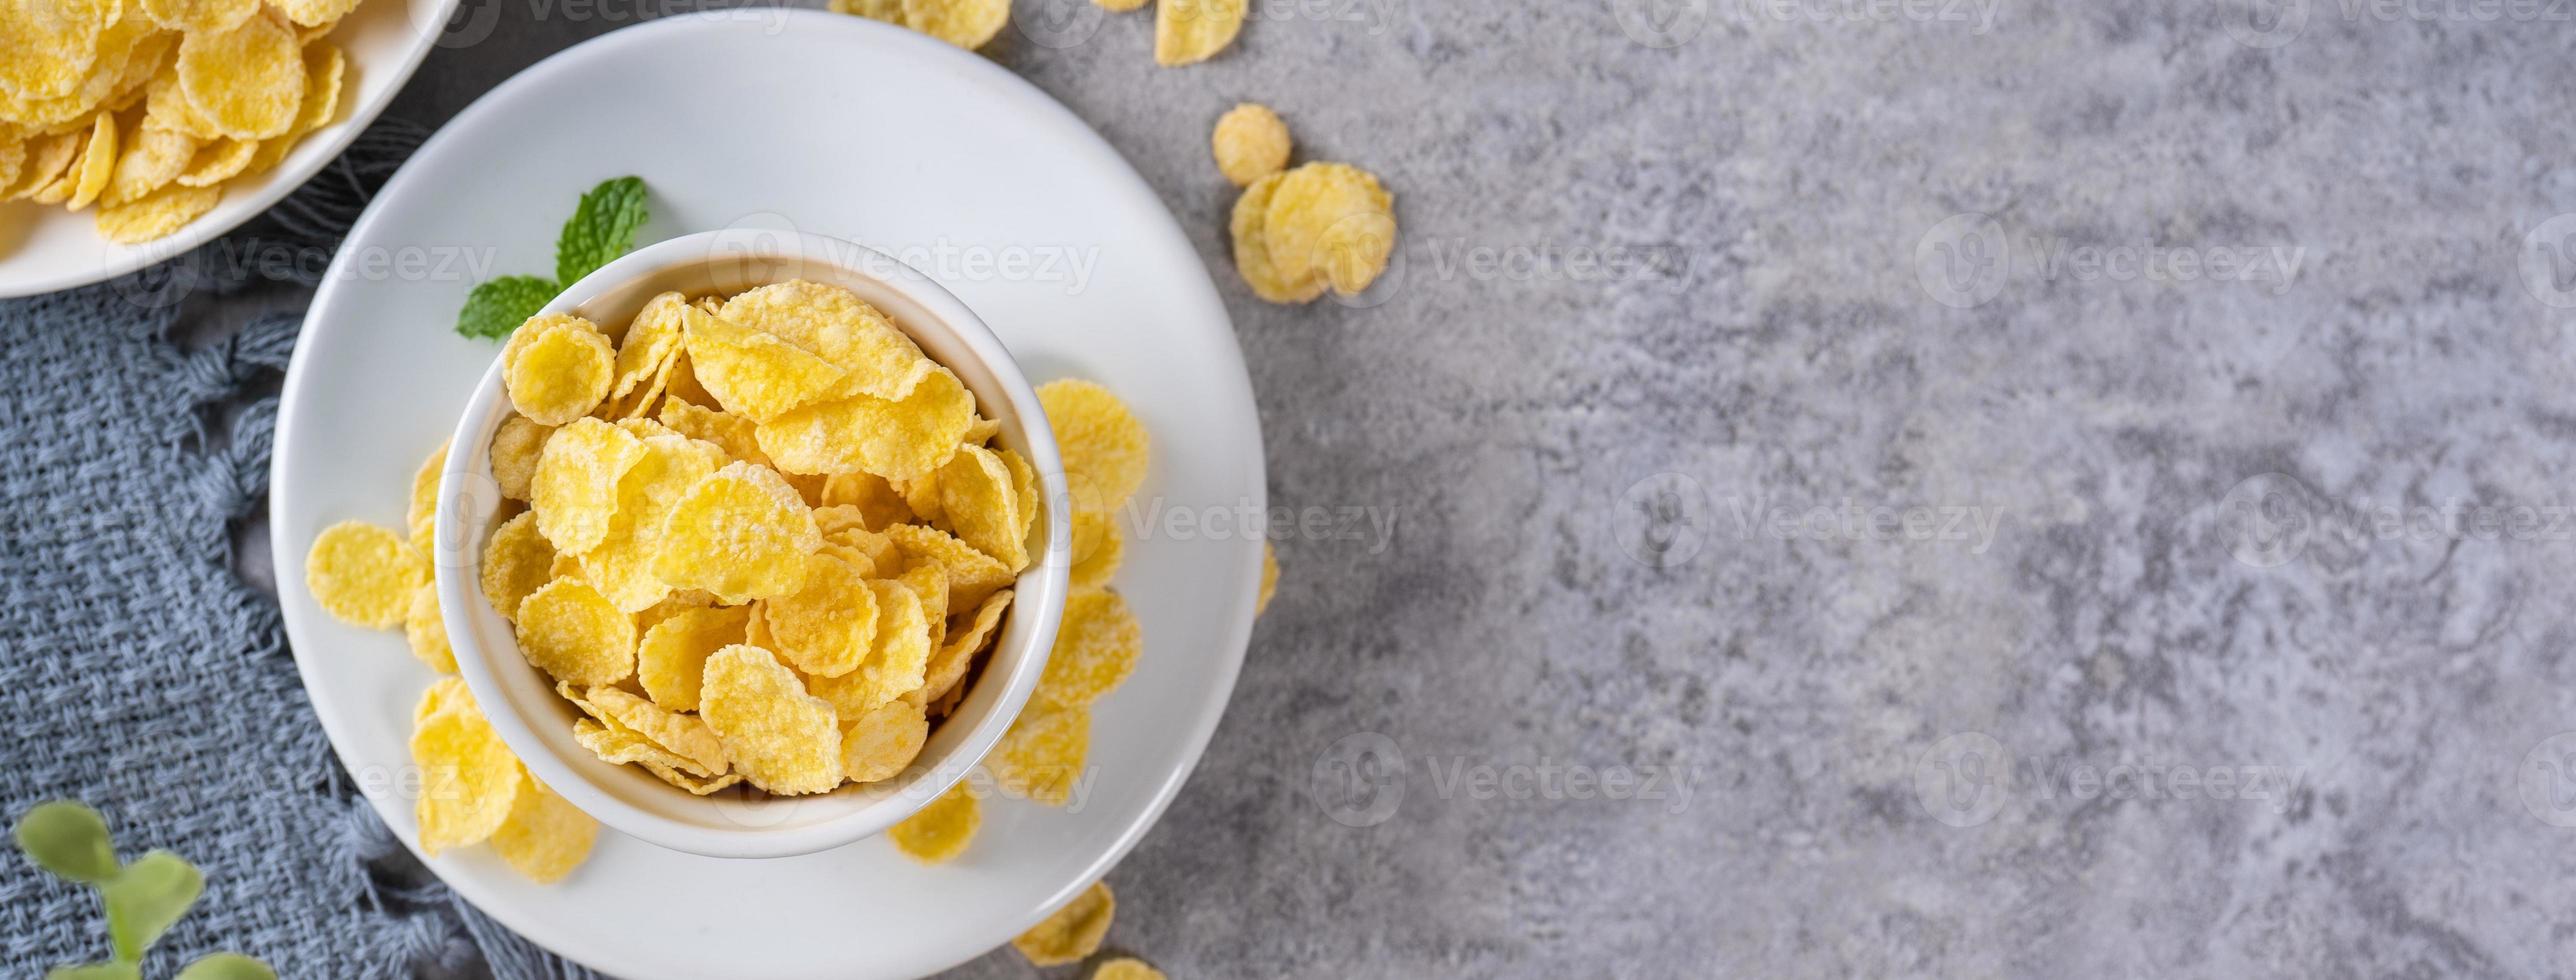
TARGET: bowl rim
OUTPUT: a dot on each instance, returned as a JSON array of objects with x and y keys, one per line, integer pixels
[{"x": 1041, "y": 588}]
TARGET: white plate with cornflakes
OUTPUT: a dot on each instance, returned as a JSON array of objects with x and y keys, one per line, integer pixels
[
  {"x": 46, "y": 247},
  {"x": 793, "y": 120}
]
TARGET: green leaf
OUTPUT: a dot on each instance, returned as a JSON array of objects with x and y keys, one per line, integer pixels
[
  {"x": 96, "y": 971},
  {"x": 68, "y": 839},
  {"x": 496, "y": 308},
  {"x": 227, "y": 966},
  {"x": 146, "y": 898},
  {"x": 601, "y": 229}
]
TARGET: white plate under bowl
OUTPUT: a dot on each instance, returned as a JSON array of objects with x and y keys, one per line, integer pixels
[
  {"x": 44, "y": 248},
  {"x": 865, "y": 132}
]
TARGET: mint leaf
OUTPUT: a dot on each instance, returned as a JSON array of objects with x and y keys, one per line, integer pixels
[
  {"x": 146, "y": 898},
  {"x": 601, "y": 228},
  {"x": 227, "y": 966},
  {"x": 68, "y": 839},
  {"x": 497, "y": 307},
  {"x": 96, "y": 971}
]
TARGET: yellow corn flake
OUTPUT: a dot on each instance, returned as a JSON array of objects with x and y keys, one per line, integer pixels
[
  {"x": 896, "y": 662},
  {"x": 515, "y": 449},
  {"x": 544, "y": 838},
  {"x": 363, "y": 575},
  {"x": 875, "y": 501},
  {"x": 51, "y": 45},
  {"x": 921, "y": 496},
  {"x": 754, "y": 374},
  {"x": 469, "y": 780},
  {"x": 622, "y": 565},
  {"x": 889, "y": 11},
  {"x": 1250, "y": 143},
  {"x": 1269, "y": 579},
  {"x": 46, "y": 159},
  {"x": 1126, "y": 968},
  {"x": 881, "y": 743},
  {"x": 685, "y": 736},
  {"x": 211, "y": 16},
  {"x": 1027, "y": 498},
  {"x": 570, "y": 631},
  {"x": 619, "y": 745},
  {"x": 560, "y": 374},
  {"x": 422, "y": 513},
  {"x": 980, "y": 499},
  {"x": 696, "y": 786},
  {"x": 1252, "y": 259},
  {"x": 157, "y": 215},
  {"x": 575, "y": 491},
  {"x": 97, "y": 165},
  {"x": 325, "y": 69},
  {"x": 930, "y": 582},
  {"x": 650, "y": 343},
  {"x": 517, "y": 561},
  {"x": 1331, "y": 220},
  {"x": 1042, "y": 756},
  {"x": 1191, "y": 31},
  {"x": 446, "y": 694},
  {"x": 898, "y": 440},
  {"x": 741, "y": 534},
  {"x": 247, "y": 82},
  {"x": 829, "y": 624},
  {"x": 150, "y": 159},
  {"x": 972, "y": 574},
  {"x": 672, "y": 658},
  {"x": 939, "y": 832},
  {"x": 836, "y": 325},
  {"x": 782, "y": 739},
  {"x": 948, "y": 666},
  {"x": 965, "y": 23},
  {"x": 426, "y": 630},
  {"x": 1096, "y": 647},
  {"x": 315, "y": 13},
  {"x": 218, "y": 161},
  {"x": 1106, "y": 451},
  {"x": 733, "y": 433},
  {"x": 1097, "y": 547},
  {"x": 1074, "y": 931}
]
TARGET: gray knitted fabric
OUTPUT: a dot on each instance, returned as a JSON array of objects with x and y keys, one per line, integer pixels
[{"x": 138, "y": 673}]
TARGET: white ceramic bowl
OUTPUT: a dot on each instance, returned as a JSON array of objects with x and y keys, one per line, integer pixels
[{"x": 521, "y": 700}]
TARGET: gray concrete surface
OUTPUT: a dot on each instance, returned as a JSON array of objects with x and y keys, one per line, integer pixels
[{"x": 1882, "y": 489}]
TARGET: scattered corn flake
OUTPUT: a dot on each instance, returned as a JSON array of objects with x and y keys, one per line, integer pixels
[
  {"x": 881, "y": 743},
  {"x": 1250, "y": 143},
  {"x": 754, "y": 374},
  {"x": 889, "y": 11},
  {"x": 421, "y": 514},
  {"x": 672, "y": 659},
  {"x": 835, "y": 324},
  {"x": 980, "y": 498},
  {"x": 940, "y": 831},
  {"x": 157, "y": 215},
  {"x": 1191, "y": 31},
  {"x": 1096, "y": 647},
  {"x": 1269, "y": 579},
  {"x": 560, "y": 375},
  {"x": 573, "y": 633},
  {"x": 517, "y": 561},
  {"x": 1074, "y": 931},
  {"x": 1126, "y": 968},
  {"x": 469, "y": 780},
  {"x": 515, "y": 450},
  {"x": 897, "y": 440},
  {"x": 1042, "y": 756},
  {"x": 972, "y": 574},
  {"x": 363, "y": 574},
  {"x": 967, "y": 24},
  {"x": 828, "y": 625},
  {"x": 152, "y": 158},
  {"x": 1331, "y": 220},
  {"x": 1252, "y": 258},
  {"x": 544, "y": 838},
  {"x": 575, "y": 491},
  {"x": 426, "y": 630},
  {"x": 741, "y": 534},
  {"x": 1106, "y": 450},
  {"x": 782, "y": 739},
  {"x": 1097, "y": 548},
  {"x": 247, "y": 82},
  {"x": 325, "y": 69},
  {"x": 448, "y": 693}
]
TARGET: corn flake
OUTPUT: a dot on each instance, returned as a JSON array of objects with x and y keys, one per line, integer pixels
[
  {"x": 517, "y": 561},
  {"x": 426, "y": 631},
  {"x": 544, "y": 838},
  {"x": 575, "y": 634},
  {"x": 560, "y": 374},
  {"x": 967, "y": 24},
  {"x": 897, "y": 440},
  {"x": 1331, "y": 220},
  {"x": 782, "y": 739},
  {"x": 836, "y": 325},
  {"x": 1097, "y": 548},
  {"x": 157, "y": 214},
  {"x": 1074, "y": 931},
  {"x": 363, "y": 574},
  {"x": 469, "y": 779},
  {"x": 1042, "y": 756},
  {"x": 972, "y": 574},
  {"x": 829, "y": 624},
  {"x": 979, "y": 496},
  {"x": 754, "y": 374},
  {"x": 1269, "y": 579},
  {"x": 672, "y": 659},
  {"x": 1126, "y": 968},
  {"x": 881, "y": 743},
  {"x": 1096, "y": 647},
  {"x": 516, "y": 447},
  {"x": 741, "y": 534},
  {"x": 939, "y": 832},
  {"x": 575, "y": 491},
  {"x": 1250, "y": 143},
  {"x": 247, "y": 82},
  {"x": 682, "y": 735}
]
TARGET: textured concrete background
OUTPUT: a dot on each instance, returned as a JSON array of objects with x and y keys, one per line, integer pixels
[{"x": 1880, "y": 488}]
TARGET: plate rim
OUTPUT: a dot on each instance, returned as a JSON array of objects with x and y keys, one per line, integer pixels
[
  {"x": 283, "y": 181},
  {"x": 1198, "y": 726}
]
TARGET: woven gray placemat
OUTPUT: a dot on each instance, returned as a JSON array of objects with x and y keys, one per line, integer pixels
[{"x": 138, "y": 671}]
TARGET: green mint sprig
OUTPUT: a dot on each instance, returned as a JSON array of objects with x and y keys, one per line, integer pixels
[
  {"x": 602, "y": 227},
  {"x": 143, "y": 898}
]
